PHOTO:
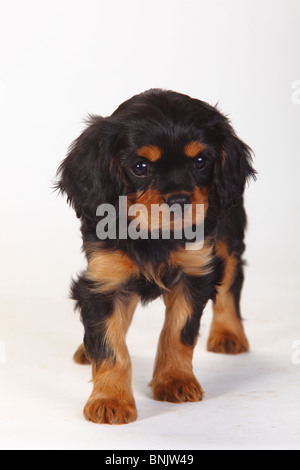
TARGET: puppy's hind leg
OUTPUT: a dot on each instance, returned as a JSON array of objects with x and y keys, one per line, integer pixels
[
  {"x": 227, "y": 333},
  {"x": 80, "y": 356}
]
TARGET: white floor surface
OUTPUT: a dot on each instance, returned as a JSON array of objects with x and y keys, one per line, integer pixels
[{"x": 251, "y": 400}]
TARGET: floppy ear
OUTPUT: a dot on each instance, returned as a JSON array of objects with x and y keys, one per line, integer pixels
[
  {"x": 233, "y": 169},
  {"x": 90, "y": 174}
]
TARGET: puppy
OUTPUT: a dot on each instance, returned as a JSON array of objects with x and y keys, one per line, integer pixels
[{"x": 159, "y": 148}]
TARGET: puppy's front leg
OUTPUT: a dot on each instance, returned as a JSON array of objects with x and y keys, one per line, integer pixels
[
  {"x": 106, "y": 318},
  {"x": 173, "y": 378}
]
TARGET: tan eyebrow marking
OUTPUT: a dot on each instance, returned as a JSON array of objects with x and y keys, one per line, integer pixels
[
  {"x": 151, "y": 152},
  {"x": 194, "y": 148}
]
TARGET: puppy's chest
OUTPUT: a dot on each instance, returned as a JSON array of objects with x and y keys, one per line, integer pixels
[{"x": 112, "y": 270}]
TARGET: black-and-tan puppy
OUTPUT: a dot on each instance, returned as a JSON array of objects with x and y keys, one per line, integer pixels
[{"x": 159, "y": 147}]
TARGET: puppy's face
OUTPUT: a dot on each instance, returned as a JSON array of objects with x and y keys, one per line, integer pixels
[
  {"x": 171, "y": 175},
  {"x": 159, "y": 147},
  {"x": 159, "y": 174}
]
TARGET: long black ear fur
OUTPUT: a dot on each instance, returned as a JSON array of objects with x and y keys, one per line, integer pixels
[
  {"x": 233, "y": 169},
  {"x": 89, "y": 175}
]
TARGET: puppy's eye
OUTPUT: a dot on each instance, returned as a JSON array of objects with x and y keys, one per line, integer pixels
[
  {"x": 200, "y": 163},
  {"x": 141, "y": 169}
]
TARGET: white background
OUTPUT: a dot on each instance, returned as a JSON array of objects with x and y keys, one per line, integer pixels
[{"x": 63, "y": 59}]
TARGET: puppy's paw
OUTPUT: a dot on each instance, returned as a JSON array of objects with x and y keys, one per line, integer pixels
[
  {"x": 227, "y": 343},
  {"x": 110, "y": 411},
  {"x": 177, "y": 389}
]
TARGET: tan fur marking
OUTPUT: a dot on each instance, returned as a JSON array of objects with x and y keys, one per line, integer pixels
[
  {"x": 148, "y": 197},
  {"x": 155, "y": 275},
  {"x": 118, "y": 324},
  {"x": 199, "y": 196},
  {"x": 173, "y": 378},
  {"x": 80, "y": 356},
  {"x": 152, "y": 212},
  {"x": 111, "y": 269},
  {"x": 193, "y": 149},
  {"x": 194, "y": 262},
  {"x": 151, "y": 152},
  {"x": 230, "y": 266},
  {"x": 112, "y": 401},
  {"x": 227, "y": 332},
  {"x": 144, "y": 201}
]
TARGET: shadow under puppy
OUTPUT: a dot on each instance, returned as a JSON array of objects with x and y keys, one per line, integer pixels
[{"x": 159, "y": 147}]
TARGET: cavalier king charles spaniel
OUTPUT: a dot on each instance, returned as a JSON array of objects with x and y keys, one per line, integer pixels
[{"x": 159, "y": 149}]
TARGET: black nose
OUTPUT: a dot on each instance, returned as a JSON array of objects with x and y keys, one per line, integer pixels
[{"x": 178, "y": 198}]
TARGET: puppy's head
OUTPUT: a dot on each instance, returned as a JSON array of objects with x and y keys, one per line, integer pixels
[{"x": 158, "y": 147}]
